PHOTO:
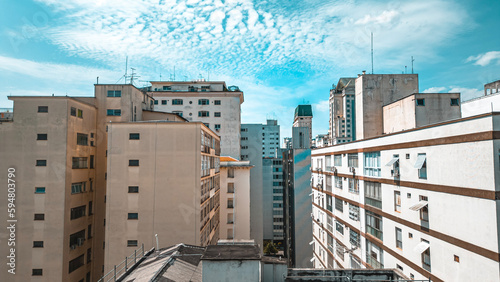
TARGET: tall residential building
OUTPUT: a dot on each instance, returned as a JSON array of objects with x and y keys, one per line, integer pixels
[
  {"x": 488, "y": 103},
  {"x": 235, "y": 199},
  {"x": 342, "y": 112},
  {"x": 272, "y": 205},
  {"x": 251, "y": 150},
  {"x": 160, "y": 183},
  {"x": 303, "y": 118},
  {"x": 270, "y": 138},
  {"x": 59, "y": 145},
  {"x": 210, "y": 102},
  {"x": 296, "y": 194},
  {"x": 408, "y": 200},
  {"x": 373, "y": 91}
]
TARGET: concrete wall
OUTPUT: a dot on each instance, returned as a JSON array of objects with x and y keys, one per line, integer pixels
[
  {"x": 373, "y": 91},
  {"x": 169, "y": 199},
  {"x": 273, "y": 272},
  {"x": 231, "y": 270},
  {"x": 481, "y": 105}
]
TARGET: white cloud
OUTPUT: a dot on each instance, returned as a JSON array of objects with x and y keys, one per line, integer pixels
[
  {"x": 466, "y": 93},
  {"x": 322, "y": 106},
  {"x": 485, "y": 58},
  {"x": 384, "y": 17},
  {"x": 435, "y": 90}
]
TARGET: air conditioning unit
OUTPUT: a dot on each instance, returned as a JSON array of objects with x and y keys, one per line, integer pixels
[
  {"x": 80, "y": 241},
  {"x": 352, "y": 169},
  {"x": 72, "y": 247}
]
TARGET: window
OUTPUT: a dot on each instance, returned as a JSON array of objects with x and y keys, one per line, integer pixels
[
  {"x": 73, "y": 111},
  {"x": 230, "y": 218},
  {"x": 203, "y": 114},
  {"x": 230, "y": 173},
  {"x": 421, "y": 102},
  {"x": 217, "y": 114},
  {"x": 134, "y": 136},
  {"x": 329, "y": 203},
  {"x": 177, "y": 102},
  {"x": 338, "y": 182},
  {"x": 82, "y": 139},
  {"x": 339, "y": 227},
  {"x": 217, "y": 102},
  {"x": 114, "y": 112},
  {"x": 133, "y": 162},
  {"x": 89, "y": 259},
  {"x": 230, "y": 187},
  {"x": 39, "y": 190},
  {"x": 76, "y": 263},
  {"x": 37, "y": 272},
  {"x": 203, "y": 102},
  {"x": 41, "y": 136},
  {"x": 78, "y": 187},
  {"x": 230, "y": 203},
  {"x": 424, "y": 213},
  {"x": 372, "y": 164},
  {"x": 353, "y": 185},
  {"x": 156, "y": 102},
  {"x": 179, "y": 113},
  {"x": 37, "y": 244},
  {"x": 163, "y": 102},
  {"x": 421, "y": 164},
  {"x": 41, "y": 162},
  {"x": 91, "y": 166},
  {"x": 374, "y": 224},
  {"x": 43, "y": 109},
  {"x": 80, "y": 113},
  {"x": 167, "y": 88},
  {"x": 426, "y": 257},
  {"x": 78, "y": 212},
  {"x": 133, "y": 189},
  {"x": 133, "y": 215},
  {"x": 217, "y": 127},
  {"x": 454, "y": 102},
  {"x": 354, "y": 238},
  {"x": 91, "y": 211},
  {"x": 39, "y": 216},
  {"x": 114, "y": 93},
  {"x": 339, "y": 205},
  {"x": 373, "y": 194},
  {"x": 131, "y": 243},
  {"x": 397, "y": 201},
  {"x": 80, "y": 162},
  {"x": 329, "y": 223},
  {"x": 353, "y": 212},
  {"x": 340, "y": 251},
  {"x": 399, "y": 238},
  {"x": 352, "y": 160}
]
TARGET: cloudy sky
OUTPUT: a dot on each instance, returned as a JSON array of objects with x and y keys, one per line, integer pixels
[{"x": 281, "y": 53}]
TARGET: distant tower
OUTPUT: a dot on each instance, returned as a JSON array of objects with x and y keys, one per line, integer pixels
[{"x": 303, "y": 118}]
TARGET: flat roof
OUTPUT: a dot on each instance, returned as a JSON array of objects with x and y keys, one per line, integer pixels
[
  {"x": 54, "y": 97},
  {"x": 232, "y": 252}
]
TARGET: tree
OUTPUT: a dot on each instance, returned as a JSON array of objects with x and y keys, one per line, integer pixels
[{"x": 270, "y": 249}]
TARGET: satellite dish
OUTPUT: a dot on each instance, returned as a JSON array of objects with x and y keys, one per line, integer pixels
[{"x": 233, "y": 88}]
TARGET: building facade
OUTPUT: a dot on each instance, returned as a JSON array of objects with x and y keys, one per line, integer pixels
[
  {"x": 488, "y": 103},
  {"x": 342, "y": 112},
  {"x": 272, "y": 178},
  {"x": 235, "y": 199},
  {"x": 303, "y": 118},
  {"x": 210, "y": 102},
  {"x": 408, "y": 200}
]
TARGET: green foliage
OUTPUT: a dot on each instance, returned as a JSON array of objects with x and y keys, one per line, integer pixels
[{"x": 270, "y": 249}]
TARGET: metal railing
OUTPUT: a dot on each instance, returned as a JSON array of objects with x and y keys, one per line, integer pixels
[{"x": 129, "y": 261}]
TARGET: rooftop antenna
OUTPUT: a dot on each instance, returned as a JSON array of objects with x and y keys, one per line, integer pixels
[
  {"x": 133, "y": 76},
  {"x": 372, "y": 50},
  {"x": 412, "y": 60},
  {"x": 160, "y": 76}
]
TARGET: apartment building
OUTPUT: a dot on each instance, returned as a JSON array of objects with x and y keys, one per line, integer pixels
[
  {"x": 303, "y": 118},
  {"x": 235, "y": 199},
  {"x": 49, "y": 148},
  {"x": 210, "y": 102},
  {"x": 272, "y": 179},
  {"x": 342, "y": 111},
  {"x": 270, "y": 138},
  {"x": 423, "y": 200},
  {"x": 489, "y": 102},
  {"x": 160, "y": 183}
]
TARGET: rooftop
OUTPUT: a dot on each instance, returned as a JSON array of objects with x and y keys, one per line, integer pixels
[
  {"x": 303, "y": 111},
  {"x": 232, "y": 252}
]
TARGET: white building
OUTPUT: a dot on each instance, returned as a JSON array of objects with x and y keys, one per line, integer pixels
[
  {"x": 424, "y": 201},
  {"x": 210, "y": 102},
  {"x": 488, "y": 103}
]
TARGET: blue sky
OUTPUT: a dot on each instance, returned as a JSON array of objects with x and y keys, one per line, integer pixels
[{"x": 281, "y": 53}]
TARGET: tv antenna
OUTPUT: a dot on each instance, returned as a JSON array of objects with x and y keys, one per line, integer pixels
[
  {"x": 133, "y": 76},
  {"x": 412, "y": 60},
  {"x": 372, "y": 49}
]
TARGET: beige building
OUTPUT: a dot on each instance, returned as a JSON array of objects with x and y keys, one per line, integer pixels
[
  {"x": 160, "y": 183},
  {"x": 420, "y": 109},
  {"x": 50, "y": 147},
  {"x": 235, "y": 199},
  {"x": 210, "y": 102},
  {"x": 342, "y": 111}
]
